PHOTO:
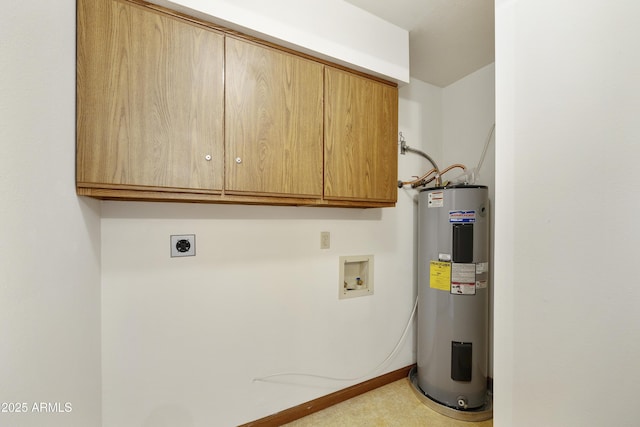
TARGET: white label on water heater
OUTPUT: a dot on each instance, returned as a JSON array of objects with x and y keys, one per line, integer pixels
[
  {"x": 463, "y": 288},
  {"x": 482, "y": 284},
  {"x": 463, "y": 279},
  {"x": 435, "y": 199}
]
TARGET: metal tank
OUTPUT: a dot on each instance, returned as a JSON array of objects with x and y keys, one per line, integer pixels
[{"x": 453, "y": 271}]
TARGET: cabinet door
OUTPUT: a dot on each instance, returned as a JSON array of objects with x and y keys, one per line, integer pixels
[
  {"x": 273, "y": 122},
  {"x": 150, "y": 99},
  {"x": 361, "y": 127}
]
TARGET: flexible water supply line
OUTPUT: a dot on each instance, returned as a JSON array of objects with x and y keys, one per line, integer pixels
[
  {"x": 484, "y": 151},
  {"x": 387, "y": 359},
  {"x": 404, "y": 148}
]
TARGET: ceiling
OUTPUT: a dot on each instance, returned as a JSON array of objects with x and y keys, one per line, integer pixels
[{"x": 448, "y": 39}]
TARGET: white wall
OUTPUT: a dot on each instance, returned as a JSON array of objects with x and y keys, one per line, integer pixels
[
  {"x": 566, "y": 288},
  {"x": 468, "y": 115},
  {"x": 331, "y": 29},
  {"x": 468, "y": 107},
  {"x": 421, "y": 121},
  {"x": 50, "y": 251},
  {"x": 183, "y": 338}
]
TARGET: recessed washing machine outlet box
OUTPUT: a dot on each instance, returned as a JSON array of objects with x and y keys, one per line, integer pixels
[
  {"x": 183, "y": 245},
  {"x": 356, "y": 276}
]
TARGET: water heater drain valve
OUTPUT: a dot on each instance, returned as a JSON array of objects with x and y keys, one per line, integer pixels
[{"x": 462, "y": 402}]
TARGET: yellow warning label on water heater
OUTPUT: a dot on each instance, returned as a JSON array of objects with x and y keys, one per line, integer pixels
[{"x": 440, "y": 275}]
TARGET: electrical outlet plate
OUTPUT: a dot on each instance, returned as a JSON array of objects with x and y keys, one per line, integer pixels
[
  {"x": 183, "y": 245},
  {"x": 325, "y": 240}
]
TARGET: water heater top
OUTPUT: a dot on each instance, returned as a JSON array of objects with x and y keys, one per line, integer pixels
[{"x": 453, "y": 186}]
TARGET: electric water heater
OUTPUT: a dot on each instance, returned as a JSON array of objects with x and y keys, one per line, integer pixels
[{"x": 453, "y": 269}]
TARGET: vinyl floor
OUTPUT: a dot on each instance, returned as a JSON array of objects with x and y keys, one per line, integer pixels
[{"x": 392, "y": 405}]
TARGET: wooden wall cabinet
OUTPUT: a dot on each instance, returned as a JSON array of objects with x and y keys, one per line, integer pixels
[
  {"x": 360, "y": 153},
  {"x": 173, "y": 108},
  {"x": 273, "y": 122},
  {"x": 149, "y": 100}
]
